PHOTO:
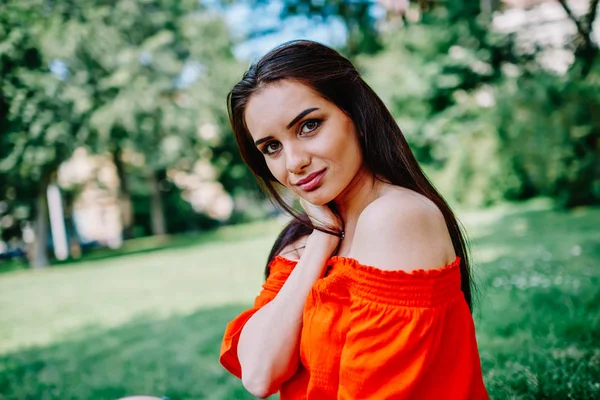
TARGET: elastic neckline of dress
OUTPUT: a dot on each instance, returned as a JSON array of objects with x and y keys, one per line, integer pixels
[{"x": 354, "y": 264}]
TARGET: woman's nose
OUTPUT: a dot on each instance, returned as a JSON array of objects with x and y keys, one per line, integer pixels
[{"x": 296, "y": 159}]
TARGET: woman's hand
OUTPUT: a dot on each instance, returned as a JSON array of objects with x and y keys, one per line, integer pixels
[{"x": 323, "y": 217}]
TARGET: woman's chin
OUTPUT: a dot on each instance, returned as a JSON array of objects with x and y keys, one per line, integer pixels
[{"x": 315, "y": 198}]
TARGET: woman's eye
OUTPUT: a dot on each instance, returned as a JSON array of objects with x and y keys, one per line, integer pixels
[
  {"x": 310, "y": 126},
  {"x": 271, "y": 148}
]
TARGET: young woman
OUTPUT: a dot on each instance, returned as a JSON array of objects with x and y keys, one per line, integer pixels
[{"x": 368, "y": 292}]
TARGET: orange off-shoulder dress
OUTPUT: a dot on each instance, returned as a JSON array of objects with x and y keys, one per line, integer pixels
[{"x": 374, "y": 334}]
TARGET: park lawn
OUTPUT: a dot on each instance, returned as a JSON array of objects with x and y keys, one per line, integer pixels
[{"x": 151, "y": 322}]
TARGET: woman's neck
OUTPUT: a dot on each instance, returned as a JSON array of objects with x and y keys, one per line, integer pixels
[{"x": 361, "y": 191}]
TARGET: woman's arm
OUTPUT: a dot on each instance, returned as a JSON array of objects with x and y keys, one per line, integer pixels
[{"x": 268, "y": 349}]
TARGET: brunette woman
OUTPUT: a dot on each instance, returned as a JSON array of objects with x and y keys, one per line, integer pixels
[{"x": 368, "y": 292}]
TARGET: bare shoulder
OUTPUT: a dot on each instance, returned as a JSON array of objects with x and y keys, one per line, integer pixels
[
  {"x": 294, "y": 250},
  {"x": 402, "y": 230}
]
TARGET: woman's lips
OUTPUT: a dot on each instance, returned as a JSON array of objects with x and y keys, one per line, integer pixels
[{"x": 312, "y": 181}]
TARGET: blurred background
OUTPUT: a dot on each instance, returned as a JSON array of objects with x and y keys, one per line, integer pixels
[{"x": 131, "y": 231}]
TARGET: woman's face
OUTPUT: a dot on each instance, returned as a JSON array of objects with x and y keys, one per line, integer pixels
[{"x": 309, "y": 144}]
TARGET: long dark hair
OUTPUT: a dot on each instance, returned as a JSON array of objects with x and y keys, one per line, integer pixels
[{"x": 385, "y": 151}]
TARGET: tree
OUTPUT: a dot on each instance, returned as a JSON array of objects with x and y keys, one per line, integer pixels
[
  {"x": 153, "y": 79},
  {"x": 586, "y": 49},
  {"x": 39, "y": 120},
  {"x": 486, "y": 117}
]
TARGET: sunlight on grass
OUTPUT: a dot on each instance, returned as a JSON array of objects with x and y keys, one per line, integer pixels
[{"x": 110, "y": 292}]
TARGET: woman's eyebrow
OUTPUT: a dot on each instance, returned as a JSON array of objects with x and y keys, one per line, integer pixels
[
  {"x": 298, "y": 118},
  {"x": 262, "y": 140},
  {"x": 301, "y": 115}
]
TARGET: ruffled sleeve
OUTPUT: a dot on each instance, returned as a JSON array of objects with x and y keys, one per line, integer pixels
[
  {"x": 280, "y": 270},
  {"x": 409, "y": 336}
]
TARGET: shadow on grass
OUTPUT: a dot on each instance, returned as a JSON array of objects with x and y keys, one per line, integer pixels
[
  {"x": 537, "y": 340},
  {"x": 176, "y": 357}
]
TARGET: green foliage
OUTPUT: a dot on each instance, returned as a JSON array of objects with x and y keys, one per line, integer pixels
[
  {"x": 488, "y": 121},
  {"x": 550, "y": 127},
  {"x": 136, "y": 79},
  {"x": 132, "y": 59},
  {"x": 442, "y": 78},
  {"x": 39, "y": 121}
]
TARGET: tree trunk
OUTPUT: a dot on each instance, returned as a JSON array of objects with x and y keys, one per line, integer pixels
[
  {"x": 156, "y": 210},
  {"x": 123, "y": 196},
  {"x": 39, "y": 258},
  {"x": 587, "y": 49}
]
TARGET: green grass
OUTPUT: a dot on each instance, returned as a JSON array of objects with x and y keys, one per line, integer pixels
[
  {"x": 151, "y": 322},
  {"x": 538, "y": 319}
]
